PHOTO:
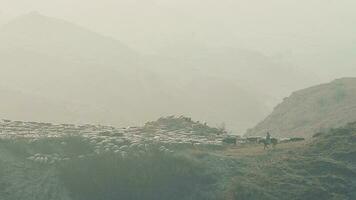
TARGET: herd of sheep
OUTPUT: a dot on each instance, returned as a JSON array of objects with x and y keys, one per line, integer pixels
[{"x": 123, "y": 142}]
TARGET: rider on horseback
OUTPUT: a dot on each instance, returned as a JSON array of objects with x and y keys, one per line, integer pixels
[
  {"x": 268, "y": 141},
  {"x": 268, "y": 138}
]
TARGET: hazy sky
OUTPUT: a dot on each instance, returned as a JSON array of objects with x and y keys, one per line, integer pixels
[{"x": 317, "y": 34}]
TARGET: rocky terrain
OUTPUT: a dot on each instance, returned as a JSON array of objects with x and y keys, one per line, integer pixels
[{"x": 312, "y": 110}]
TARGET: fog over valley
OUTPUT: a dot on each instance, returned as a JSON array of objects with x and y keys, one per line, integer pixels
[{"x": 128, "y": 62}]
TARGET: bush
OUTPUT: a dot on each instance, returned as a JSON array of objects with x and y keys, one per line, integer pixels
[{"x": 152, "y": 176}]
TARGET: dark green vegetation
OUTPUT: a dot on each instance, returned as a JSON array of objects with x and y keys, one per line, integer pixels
[
  {"x": 82, "y": 174},
  {"x": 153, "y": 176},
  {"x": 321, "y": 168},
  {"x": 325, "y": 168}
]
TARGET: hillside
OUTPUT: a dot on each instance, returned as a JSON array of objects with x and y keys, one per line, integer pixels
[
  {"x": 322, "y": 168},
  {"x": 182, "y": 125},
  {"x": 23, "y": 105},
  {"x": 55, "y": 37},
  {"x": 48, "y": 58},
  {"x": 41, "y": 161},
  {"x": 312, "y": 110},
  {"x": 55, "y": 59}
]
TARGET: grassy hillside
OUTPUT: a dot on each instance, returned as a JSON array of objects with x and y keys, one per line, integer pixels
[
  {"x": 311, "y": 110},
  {"x": 324, "y": 168},
  {"x": 71, "y": 168},
  {"x": 68, "y": 168}
]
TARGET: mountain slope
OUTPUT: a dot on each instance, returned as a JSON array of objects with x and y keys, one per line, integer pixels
[
  {"x": 55, "y": 37},
  {"x": 60, "y": 60},
  {"x": 91, "y": 165},
  {"x": 55, "y": 59},
  {"x": 48, "y": 57},
  {"x": 271, "y": 78},
  {"x": 21, "y": 106},
  {"x": 311, "y": 110},
  {"x": 322, "y": 168},
  {"x": 242, "y": 85}
]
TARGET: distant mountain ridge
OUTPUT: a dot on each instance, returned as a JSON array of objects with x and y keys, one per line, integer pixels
[
  {"x": 53, "y": 58},
  {"x": 40, "y": 33},
  {"x": 312, "y": 110},
  {"x": 110, "y": 83}
]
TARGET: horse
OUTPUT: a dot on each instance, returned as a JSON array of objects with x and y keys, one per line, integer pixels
[{"x": 272, "y": 141}]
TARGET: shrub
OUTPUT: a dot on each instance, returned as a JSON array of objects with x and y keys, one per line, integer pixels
[{"x": 152, "y": 176}]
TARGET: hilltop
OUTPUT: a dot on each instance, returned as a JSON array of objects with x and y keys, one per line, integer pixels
[
  {"x": 312, "y": 110},
  {"x": 52, "y": 37},
  {"x": 182, "y": 125}
]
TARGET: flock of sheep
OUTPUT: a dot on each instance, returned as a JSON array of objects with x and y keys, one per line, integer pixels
[
  {"x": 123, "y": 142},
  {"x": 47, "y": 158}
]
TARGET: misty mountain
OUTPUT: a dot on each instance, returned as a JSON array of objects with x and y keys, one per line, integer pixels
[
  {"x": 272, "y": 78},
  {"x": 22, "y": 105},
  {"x": 55, "y": 59},
  {"x": 59, "y": 60},
  {"x": 2, "y": 20},
  {"x": 39, "y": 33},
  {"x": 312, "y": 110}
]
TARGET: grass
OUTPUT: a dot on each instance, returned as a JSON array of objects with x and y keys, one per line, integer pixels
[
  {"x": 321, "y": 168},
  {"x": 152, "y": 176},
  {"x": 306, "y": 171}
]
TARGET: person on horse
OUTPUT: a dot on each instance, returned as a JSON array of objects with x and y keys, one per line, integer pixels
[{"x": 268, "y": 138}]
